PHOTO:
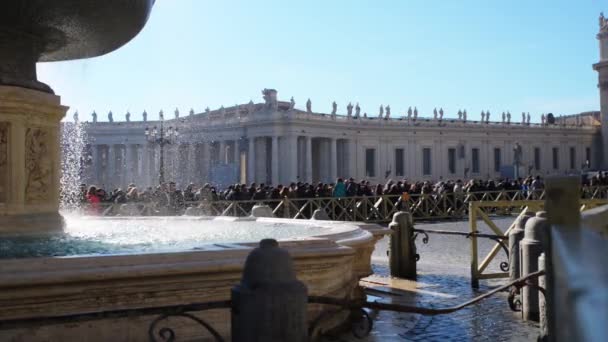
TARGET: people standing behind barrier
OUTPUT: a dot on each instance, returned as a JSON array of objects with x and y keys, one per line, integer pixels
[
  {"x": 339, "y": 189},
  {"x": 94, "y": 201}
]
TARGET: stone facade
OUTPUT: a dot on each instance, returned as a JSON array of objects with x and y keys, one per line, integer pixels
[{"x": 273, "y": 142}]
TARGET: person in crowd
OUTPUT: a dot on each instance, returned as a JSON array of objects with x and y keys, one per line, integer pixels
[{"x": 339, "y": 189}]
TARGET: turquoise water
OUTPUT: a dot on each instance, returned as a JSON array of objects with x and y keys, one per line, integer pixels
[{"x": 96, "y": 236}]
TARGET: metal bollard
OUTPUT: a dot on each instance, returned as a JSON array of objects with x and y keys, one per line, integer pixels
[
  {"x": 270, "y": 303},
  {"x": 515, "y": 237},
  {"x": 402, "y": 248},
  {"x": 531, "y": 247},
  {"x": 542, "y": 303}
]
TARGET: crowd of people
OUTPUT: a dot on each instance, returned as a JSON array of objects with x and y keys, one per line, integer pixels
[{"x": 175, "y": 201}]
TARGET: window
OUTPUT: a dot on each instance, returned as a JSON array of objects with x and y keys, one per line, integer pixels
[
  {"x": 497, "y": 160},
  {"x": 555, "y": 158},
  {"x": 587, "y": 156},
  {"x": 426, "y": 161},
  {"x": 399, "y": 163},
  {"x": 475, "y": 160},
  {"x": 572, "y": 158},
  {"x": 370, "y": 162},
  {"x": 537, "y": 158},
  {"x": 452, "y": 160}
]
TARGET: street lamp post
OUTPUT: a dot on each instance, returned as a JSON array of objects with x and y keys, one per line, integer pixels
[{"x": 161, "y": 138}]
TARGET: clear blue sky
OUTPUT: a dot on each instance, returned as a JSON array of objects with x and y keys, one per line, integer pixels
[{"x": 532, "y": 56}]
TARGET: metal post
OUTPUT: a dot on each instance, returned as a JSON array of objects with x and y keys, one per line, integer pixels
[
  {"x": 402, "y": 249},
  {"x": 473, "y": 230},
  {"x": 515, "y": 237},
  {"x": 270, "y": 303},
  {"x": 531, "y": 247},
  {"x": 542, "y": 302}
]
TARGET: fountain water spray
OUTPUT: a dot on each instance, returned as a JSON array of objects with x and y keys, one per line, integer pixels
[{"x": 74, "y": 158}]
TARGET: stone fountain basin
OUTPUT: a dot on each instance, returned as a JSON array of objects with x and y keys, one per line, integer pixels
[
  {"x": 73, "y": 29},
  {"x": 330, "y": 264}
]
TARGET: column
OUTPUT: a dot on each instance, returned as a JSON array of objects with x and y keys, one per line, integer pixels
[
  {"x": 251, "y": 161},
  {"x": 275, "y": 160},
  {"x": 308, "y": 162},
  {"x": 111, "y": 171},
  {"x": 222, "y": 152},
  {"x": 130, "y": 162},
  {"x": 145, "y": 166},
  {"x": 352, "y": 159},
  {"x": 97, "y": 163},
  {"x": 292, "y": 158},
  {"x": 190, "y": 172},
  {"x": 333, "y": 160}
]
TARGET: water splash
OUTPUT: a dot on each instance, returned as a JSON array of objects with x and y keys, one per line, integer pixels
[{"x": 74, "y": 161}]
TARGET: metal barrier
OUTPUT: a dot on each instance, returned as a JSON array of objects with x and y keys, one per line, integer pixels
[
  {"x": 479, "y": 210},
  {"x": 360, "y": 208}
]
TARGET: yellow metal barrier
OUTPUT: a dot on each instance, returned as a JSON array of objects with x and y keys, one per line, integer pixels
[{"x": 478, "y": 211}]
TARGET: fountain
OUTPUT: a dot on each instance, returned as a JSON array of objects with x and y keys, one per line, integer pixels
[
  {"x": 40, "y": 30},
  {"x": 53, "y": 267}
]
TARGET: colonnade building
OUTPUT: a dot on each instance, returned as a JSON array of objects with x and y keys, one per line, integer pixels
[{"x": 274, "y": 142}]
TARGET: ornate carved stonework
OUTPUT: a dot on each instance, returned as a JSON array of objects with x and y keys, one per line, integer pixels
[
  {"x": 3, "y": 160},
  {"x": 38, "y": 165}
]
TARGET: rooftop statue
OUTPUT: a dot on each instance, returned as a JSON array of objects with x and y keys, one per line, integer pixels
[
  {"x": 528, "y": 118},
  {"x": 409, "y": 113},
  {"x": 508, "y": 118},
  {"x": 349, "y": 109},
  {"x": 603, "y": 23},
  {"x": 459, "y": 114},
  {"x": 488, "y": 117},
  {"x": 250, "y": 107},
  {"x": 365, "y": 115},
  {"x": 308, "y": 106},
  {"x": 270, "y": 98},
  {"x": 543, "y": 118},
  {"x": 334, "y": 108},
  {"x": 176, "y": 113},
  {"x": 128, "y": 117},
  {"x": 191, "y": 111},
  {"x": 388, "y": 111},
  {"x": 357, "y": 110},
  {"x": 440, "y": 113},
  {"x": 381, "y": 111},
  {"x": 94, "y": 115},
  {"x": 292, "y": 103},
  {"x": 464, "y": 115},
  {"x": 76, "y": 116},
  {"x": 161, "y": 115},
  {"x": 435, "y": 113},
  {"x": 415, "y": 113},
  {"x": 145, "y": 116},
  {"x": 207, "y": 110},
  {"x": 483, "y": 116},
  {"x": 504, "y": 117},
  {"x": 110, "y": 117},
  {"x": 523, "y": 118}
]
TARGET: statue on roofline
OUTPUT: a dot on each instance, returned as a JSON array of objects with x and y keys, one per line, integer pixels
[{"x": 308, "y": 106}]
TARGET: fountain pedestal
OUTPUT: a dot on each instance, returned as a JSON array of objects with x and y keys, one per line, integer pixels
[{"x": 29, "y": 161}]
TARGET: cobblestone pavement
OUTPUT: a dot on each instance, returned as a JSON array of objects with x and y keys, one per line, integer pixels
[{"x": 443, "y": 280}]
